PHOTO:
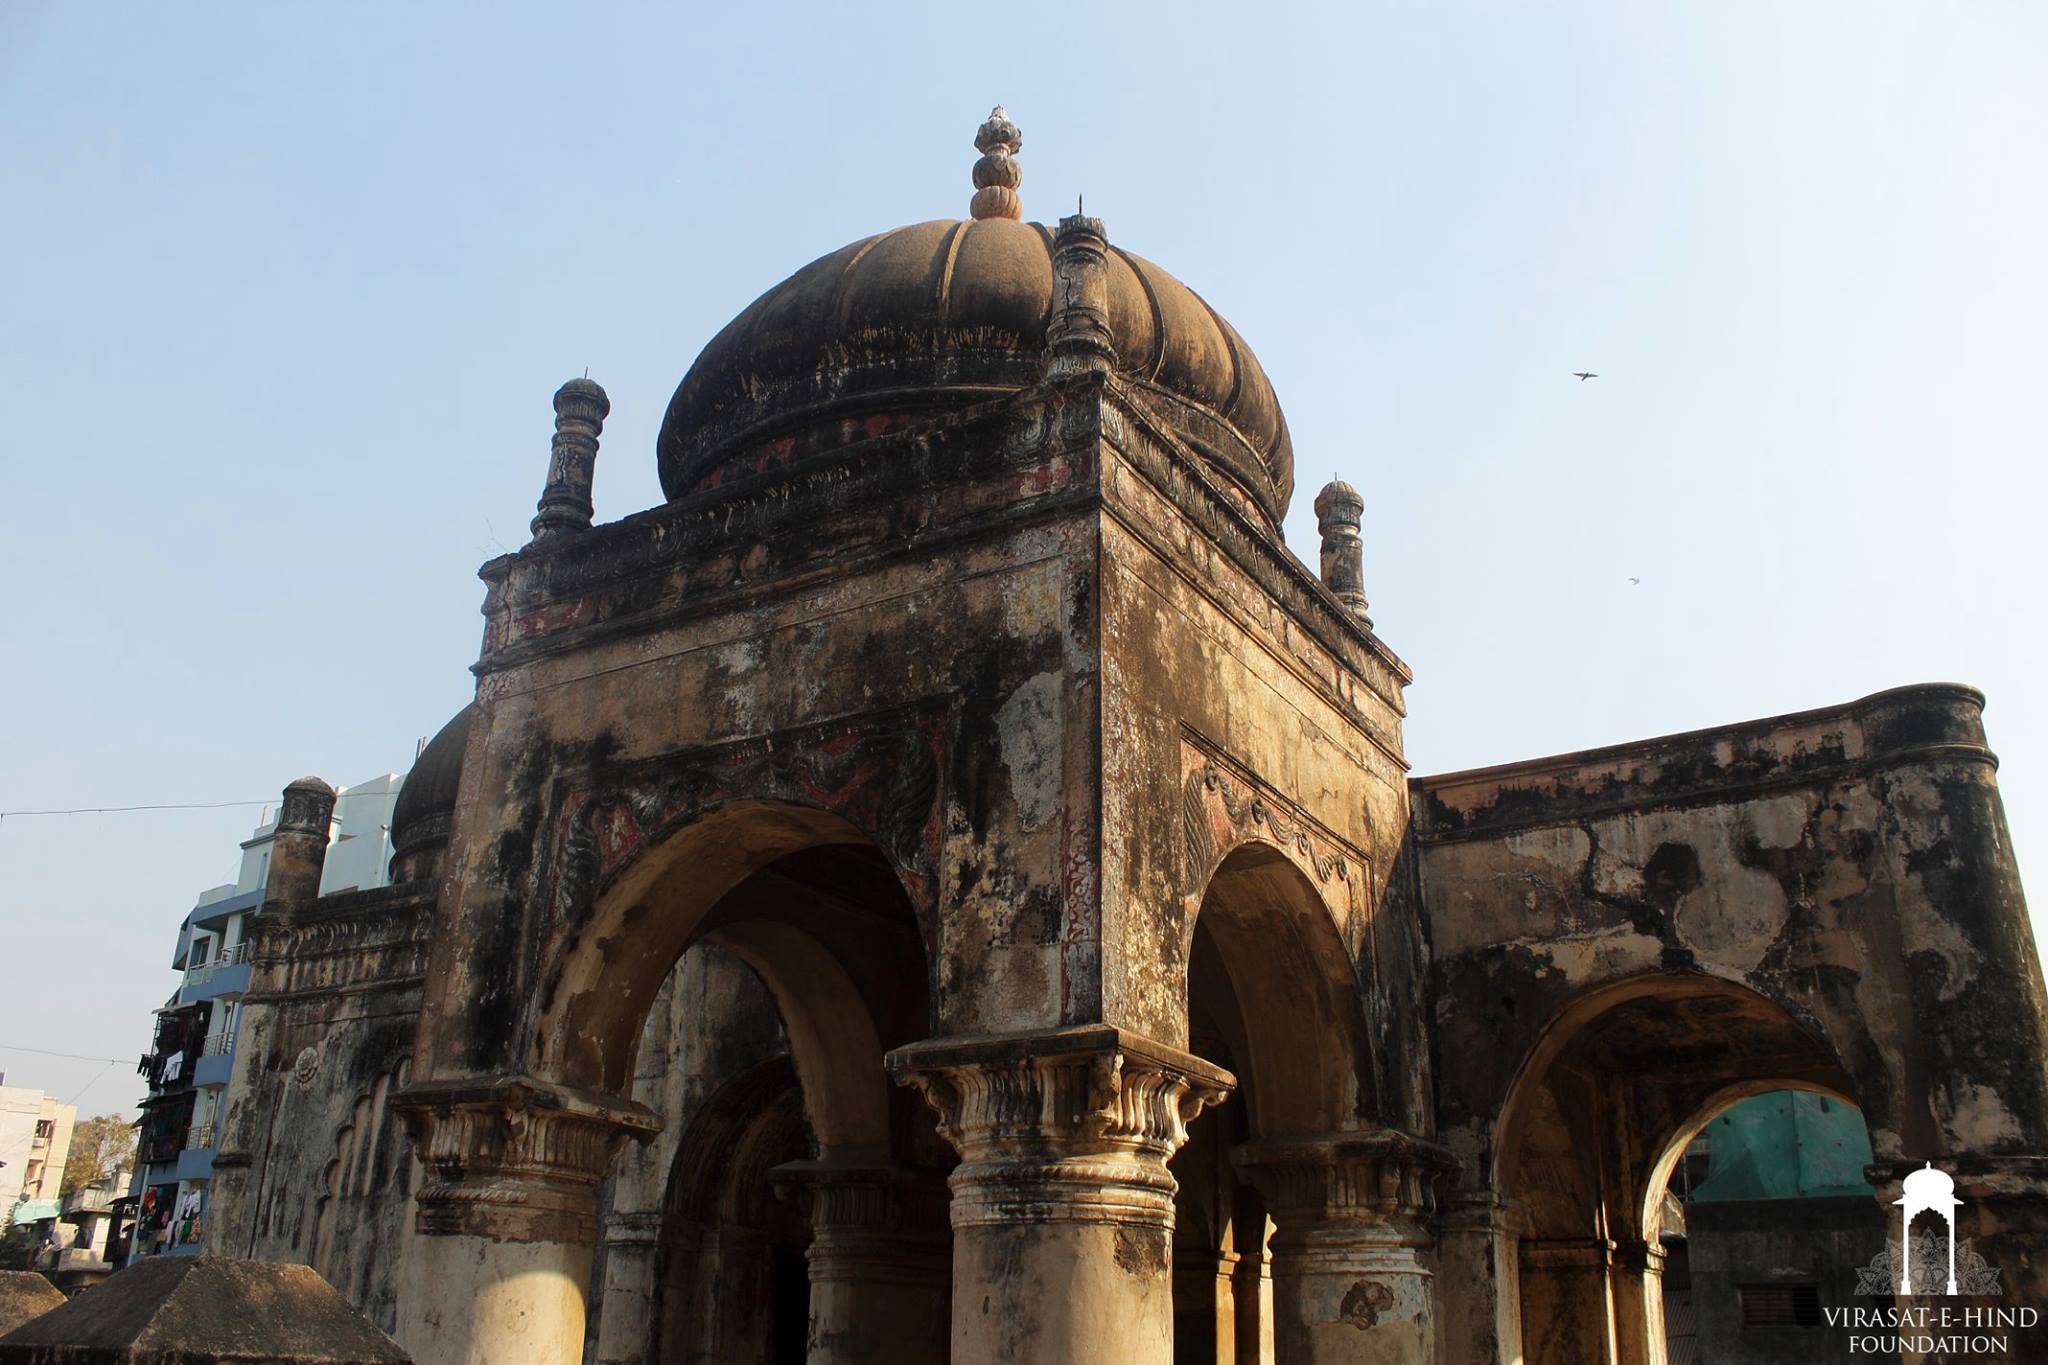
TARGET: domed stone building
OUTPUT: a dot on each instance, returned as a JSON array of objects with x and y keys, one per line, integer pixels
[{"x": 946, "y": 885}]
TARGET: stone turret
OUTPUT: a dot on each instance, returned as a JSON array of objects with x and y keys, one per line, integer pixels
[
  {"x": 1338, "y": 510},
  {"x": 565, "y": 508},
  {"x": 298, "y": 851},
  {"x": 1079, "y": 338}
]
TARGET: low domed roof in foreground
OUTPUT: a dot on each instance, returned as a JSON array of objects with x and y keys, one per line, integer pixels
[{"x": 932, "y": 317}]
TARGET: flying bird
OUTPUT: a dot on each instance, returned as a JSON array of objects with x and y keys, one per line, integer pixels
[
  {"x": 1636, "y": 581},
  {"x": 1583, "y": 375}
]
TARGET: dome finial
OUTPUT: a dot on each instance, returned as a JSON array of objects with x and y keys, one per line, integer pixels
[{"x": 997, "y": 175}]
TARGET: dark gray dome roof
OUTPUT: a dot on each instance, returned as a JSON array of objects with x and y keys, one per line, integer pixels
[
  {"x": 938, "y": 315},
  {"x": 426, "y": 803}
]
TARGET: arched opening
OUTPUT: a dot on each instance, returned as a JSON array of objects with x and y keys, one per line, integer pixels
[
  {"x": 1272, "y": 998},
  {"x": 1595, "y": 1126},
  {"x": 777, "y": 951},
  {"x": 732, "y": 1282},
  {"x": 1767, "y": 1225},
  {"x": 716, "y": 870}
]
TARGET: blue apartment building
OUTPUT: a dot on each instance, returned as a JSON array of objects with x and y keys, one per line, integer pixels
[{"x": 191, "y": 1059}]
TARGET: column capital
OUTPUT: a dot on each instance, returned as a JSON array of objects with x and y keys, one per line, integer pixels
[
  {"x": 1061, "y": 1124},
  {"x": 871, "y": 1223},
  {"x": 515, "y": 1158},
  {"x": 1092, "y": 1086},
  {"x": 1374, "y": 1176},
  {"x": 1640, "y": 1254},
  {"x": 1352, "y": 1215},
  {"x": 862, "y": 1195}
]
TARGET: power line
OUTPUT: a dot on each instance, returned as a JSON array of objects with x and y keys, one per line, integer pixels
[
  {"x": 46, "y": 1052},
  {"x": 73, "y": 1101},
  {"x": 178, "y": 805},
  {"x": 116, "y": 810}
]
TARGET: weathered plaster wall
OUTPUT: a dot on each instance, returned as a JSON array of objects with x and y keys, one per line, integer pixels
[
  {"x": 1850, "y": 866},
  {"x": 1241, "y": 703},
  {"x": 797, "y": 642},
  {"x": 1816, "y": 1242}
]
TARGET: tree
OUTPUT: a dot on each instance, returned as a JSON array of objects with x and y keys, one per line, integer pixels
[{"x": 100, "y": 1146}]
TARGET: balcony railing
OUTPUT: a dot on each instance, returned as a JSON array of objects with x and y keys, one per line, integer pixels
[
  {"x": 206, "y": 971},
  {"x": 199, "y": 1135},
  {"x": 217, "y": 1045}
]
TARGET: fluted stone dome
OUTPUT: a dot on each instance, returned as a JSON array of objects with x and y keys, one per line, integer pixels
[{"x": 932, "y": 317}]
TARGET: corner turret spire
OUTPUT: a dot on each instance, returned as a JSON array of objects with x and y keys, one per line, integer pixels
[
  {"x": 565, "y": 509},
  {"x": 997, "y": 175},
  {"x": 1339, "y": 509}
]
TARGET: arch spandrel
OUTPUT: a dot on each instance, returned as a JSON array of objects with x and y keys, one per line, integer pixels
[
  {"x": 880, "y": 774},
  {"x": 1222, "y": 808},
  {"x": 640, "y": 854}
]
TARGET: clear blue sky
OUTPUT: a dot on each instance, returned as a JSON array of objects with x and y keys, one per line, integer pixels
[{"x": 287, "y": 289}]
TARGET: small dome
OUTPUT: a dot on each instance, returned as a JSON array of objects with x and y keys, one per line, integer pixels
[
  {"x": 933, "y": 317},
  {"x": 424, "y": 814}
]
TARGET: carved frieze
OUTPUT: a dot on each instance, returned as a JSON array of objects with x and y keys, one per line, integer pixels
[{"x": 1222, "y": 807}]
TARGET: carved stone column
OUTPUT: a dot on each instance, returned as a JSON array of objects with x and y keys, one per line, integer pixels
[
  {"x": 1062, "y": 1205},
  {"x": 1350, "y": 1232},
  {"x": 580, "y": 409},
  {"x": 1638, "y": 1293},
  {"x": 878, "y": 1273},
  {"x": 499, "y": 1268}
]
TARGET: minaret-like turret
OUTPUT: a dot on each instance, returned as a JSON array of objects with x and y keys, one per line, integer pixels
[
  {"x": 298, "y": 849},
  {"x": 565, "y": 508},
  {"x": 1338, "y": 510},
  {"x": 1078, "y": 337}
]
